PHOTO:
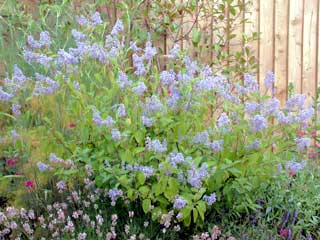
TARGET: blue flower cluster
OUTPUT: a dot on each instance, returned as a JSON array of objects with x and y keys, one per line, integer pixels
[{"x": 156, "y": 145}]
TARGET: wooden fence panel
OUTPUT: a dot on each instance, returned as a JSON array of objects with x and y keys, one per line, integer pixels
[
  {"x": 281, "y": 49},
  {"x": 266, "y": 44},
  {"x": 252, "y": 25},
  {"x": 309, "y": 47},
  {"x": 295, "y": 45}
]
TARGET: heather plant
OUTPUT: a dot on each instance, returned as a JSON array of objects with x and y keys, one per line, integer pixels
[
  {"x": 80, "y": 212},
  {"x": 83, "y": 211},
  {"x": 182, "y": 142}
]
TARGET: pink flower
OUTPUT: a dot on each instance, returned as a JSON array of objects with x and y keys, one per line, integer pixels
[
  {"x": 312, "y": 154},
  {"x": 72, "y": 125},
  {"x": 29, "y": 184},
  {"x": 61, "y": 215},
  {"x": 291, "y": 173},
  {"x": 11, "y": 162},
  {"x": 301, "y": 133},
  {"x": 283, "y": 232}
]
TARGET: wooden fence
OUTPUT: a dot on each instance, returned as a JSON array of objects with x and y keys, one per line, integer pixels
[{"x": 288, "y": 44}]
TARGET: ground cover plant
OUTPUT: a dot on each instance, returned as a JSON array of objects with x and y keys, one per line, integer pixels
[{"x": 174, "y": 146}]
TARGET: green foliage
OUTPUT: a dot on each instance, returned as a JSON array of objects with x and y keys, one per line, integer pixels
[
  {"x": 299, "y": 194},
  {"x": 139, "y": 158},
  {"x": 232, "y": 169}
]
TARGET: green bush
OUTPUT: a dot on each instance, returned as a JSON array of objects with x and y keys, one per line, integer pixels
[{"x": 176, "y": 140}]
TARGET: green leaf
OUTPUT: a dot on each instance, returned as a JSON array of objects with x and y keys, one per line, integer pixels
[
  {"x": 70, "y": 172},
  {"x": 124, "y": 181},
  {"x": 10, "y": 176},
  {"x": 99, "y": 181},
  {"x": 139, "y": 136},
  {"x": 47, "y": 120},
  {"x": 234, "y": 171},
  {"x": 125, "y": 155},
  {"x": 156, "y": 188},
  {"x": 186, "y": 215},
  {"x": 110, "y": 147},
  {"x": 166, "y": 20},
  {"x": 233, "y": 10},
  {"x": 196, "y": 36},
  {"x": 58, "y": 136},
  {"x": 140, "y": 178},
  {"x": 172, "y": 189},
  {"x": 201, "y": 209},
  {"x": 146, "y": 204},
  {"x": 156, "y": 213},
  {"x": 144, "y": 190},
  {"x": 163, "y": 201},
  {"x": 195, "y": 215},
  {"x": 199, "y": 194},
  {"x": 138, "y": 150},
  {"x": 165, "y": 121},
  {"x": 163, "y": 183},
  {"x": 131, "y": 194}
]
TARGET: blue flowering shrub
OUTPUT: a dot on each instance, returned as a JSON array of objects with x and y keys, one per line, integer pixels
[{"x": 180, "y": 142}]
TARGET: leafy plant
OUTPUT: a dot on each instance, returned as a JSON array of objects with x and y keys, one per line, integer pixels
[{"x": 182, "y": 141}]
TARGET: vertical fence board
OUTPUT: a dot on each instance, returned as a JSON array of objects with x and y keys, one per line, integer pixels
[
  {"x": 295, "y": 44},
  {"x": 309, "y": 47},
  {"x": 252, "y": 14},
  {"x": 266, "y": 39},
  {"x": 281, "y": 48}
]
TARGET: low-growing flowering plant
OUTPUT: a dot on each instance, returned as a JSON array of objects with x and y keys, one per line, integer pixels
[
  {"x": 78, "y": 214},
  {"x": 180, "y": 141}
]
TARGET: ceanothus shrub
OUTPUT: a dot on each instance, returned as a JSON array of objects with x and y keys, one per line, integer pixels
[{"x": 182, "y": 140}]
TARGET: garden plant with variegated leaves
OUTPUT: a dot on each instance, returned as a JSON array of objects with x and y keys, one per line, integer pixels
[{"x": 180, "y": 143}]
